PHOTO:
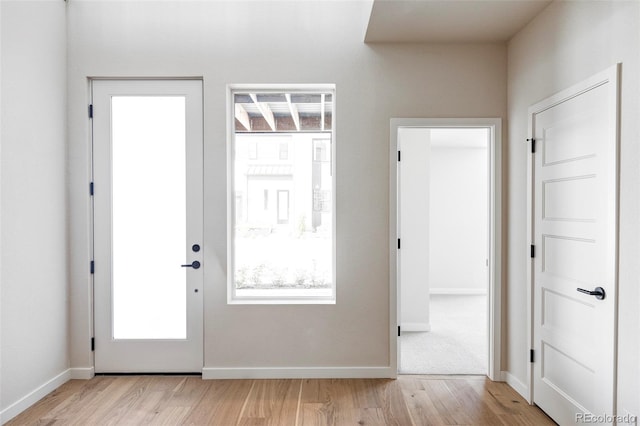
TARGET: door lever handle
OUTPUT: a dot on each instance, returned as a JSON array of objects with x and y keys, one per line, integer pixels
[
  {"x": 598, "y": 292},
  {"x": 195, "y": 265}
]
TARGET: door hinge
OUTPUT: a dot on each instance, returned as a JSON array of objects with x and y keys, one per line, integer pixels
[
  {"x": 531, "y": 355},
  {"x": 92, "y": 266},
  {"x": 91, "y": 188},
  {"x": 533, "y": 145},
  {"x": 91, "y": 111},
  {"x": 398, "y": 243},
  {"x": 398, "y": 331},
  {"x": 93, "y": 344},
  {"x": 533, "y": 251},
  {"x": 398, "y": 155}
]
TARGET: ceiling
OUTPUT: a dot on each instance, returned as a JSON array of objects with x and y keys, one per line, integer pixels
[{"x": 449, "y": 21}]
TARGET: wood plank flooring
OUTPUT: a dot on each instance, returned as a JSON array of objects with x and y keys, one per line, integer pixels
[{"x": 189, "y": 400}]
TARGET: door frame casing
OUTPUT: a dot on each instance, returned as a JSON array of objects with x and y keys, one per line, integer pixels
[
  {"x": 610, "y": 75},
  {"x": 494, "y": 236}
]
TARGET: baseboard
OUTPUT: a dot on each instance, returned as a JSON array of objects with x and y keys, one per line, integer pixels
[
  {"x": 457, "y": 291},
  {"x": 516, "y": 384},
  {"x": 82, "y": 373},
  {"x": 209, "y": 373},
  {"x": 34, "y": 396},
  {"x": 415, "y": 326}
]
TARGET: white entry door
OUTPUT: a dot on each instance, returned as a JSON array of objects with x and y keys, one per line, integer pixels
[
  {"x": 148, "y": 224},
  {"x": 575, "y": 240}
]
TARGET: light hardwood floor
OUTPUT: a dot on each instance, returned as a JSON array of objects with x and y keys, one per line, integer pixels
[{"x": 175, "y": 400}]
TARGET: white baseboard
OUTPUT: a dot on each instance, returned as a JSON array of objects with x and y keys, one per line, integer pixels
[
  {"x": 82, "y": 373},
  {"x": 415, "y": 326},
  {"x": 34, "y": 396},
  {"x": 516, "y": 384},
  {"x": 457, "y": 291},
  {"x": 209, "y": 373}
]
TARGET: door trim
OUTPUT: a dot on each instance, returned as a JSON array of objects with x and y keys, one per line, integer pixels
[
  {"x": 610, "y": 75},
  {"x": 495, "y": 233}
]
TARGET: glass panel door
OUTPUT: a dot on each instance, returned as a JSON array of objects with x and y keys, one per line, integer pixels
[{"x": 148, "y": 219}]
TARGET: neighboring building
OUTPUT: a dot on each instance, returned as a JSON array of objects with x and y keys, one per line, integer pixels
[{"x": 283, "y": 182}]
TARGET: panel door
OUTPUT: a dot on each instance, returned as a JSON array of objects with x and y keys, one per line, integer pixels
[{"x": 575, "y": 236}]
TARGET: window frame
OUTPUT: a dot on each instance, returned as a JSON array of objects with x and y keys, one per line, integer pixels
[{"x": 232, "y": 90}]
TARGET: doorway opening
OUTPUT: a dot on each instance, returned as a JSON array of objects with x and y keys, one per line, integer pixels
[{"x": 445, "y": 266}]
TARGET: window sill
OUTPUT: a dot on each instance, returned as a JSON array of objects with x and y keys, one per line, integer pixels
[{"x": 322, "y": 296}]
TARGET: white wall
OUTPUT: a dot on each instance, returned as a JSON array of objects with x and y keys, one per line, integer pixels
[
  {"x": 34, "y": 331},
  {"x": 413, "y": 227},
  {"x": 566, "y": 43},
  {"x": 278, "y": 42},
  {"x": 458, "y": 220}
]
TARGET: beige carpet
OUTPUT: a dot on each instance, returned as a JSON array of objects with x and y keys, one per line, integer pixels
[{"x": 457, "y": 342}]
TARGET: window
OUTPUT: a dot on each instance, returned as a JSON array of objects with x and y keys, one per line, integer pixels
[
  {"x": 253, "y": 151},
  {"x": 282, "y": 247},
  {"x": 284, "y": 151},
  {"x": 320, "y": 149},
  {"x": 239, "y": 206}
]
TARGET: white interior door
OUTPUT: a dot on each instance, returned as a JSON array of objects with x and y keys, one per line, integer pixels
[
  {"x": 413, "y": 228},
  {"x": 575, "y": 238},
  {"x": 148, "y": 223}
]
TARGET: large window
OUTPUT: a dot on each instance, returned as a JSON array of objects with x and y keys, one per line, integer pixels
[{"x": 281, "y": 237}]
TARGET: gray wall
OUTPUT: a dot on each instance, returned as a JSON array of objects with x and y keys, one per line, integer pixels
[
  {"x": 295, "y": 42},
  {"x": 566, "y": 43},
  {"x": 34, "y": 344}
]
